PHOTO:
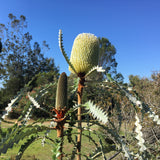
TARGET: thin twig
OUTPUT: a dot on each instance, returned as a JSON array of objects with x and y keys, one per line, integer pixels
[
  {"x": 114, "y": 155},
  {"x": 155, "y": 135}
]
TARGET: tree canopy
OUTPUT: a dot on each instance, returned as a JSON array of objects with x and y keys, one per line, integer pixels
[
  {"x": 107, "y": 60},
  {"x": 107, "y": 55},
  {"x": 0, "y": 46},
  {"x": 147, "y": 88}
]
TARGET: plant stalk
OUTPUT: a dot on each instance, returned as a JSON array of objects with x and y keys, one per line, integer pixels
[
  {"x": 61, "y": 104},
  {"x": 79, "y": 138},
  {"x": 60, "y": 126}
]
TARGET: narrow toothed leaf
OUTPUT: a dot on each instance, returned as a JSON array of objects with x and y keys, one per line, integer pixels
[
  {"x": 35, "y": 103},
  {"x": 158, "y": 122},
  {"x": 156, "y": 118},
  {"x": 139, "y": 136},
  {"x": 97, "y": 68},
  {"x": 96, "y": 112},
  {"x": 9, "y": 107},
  {"x": 63, "y": 51}
]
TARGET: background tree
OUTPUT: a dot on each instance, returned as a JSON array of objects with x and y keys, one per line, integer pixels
[
  {"x": 20, "y": 62},
  {"x": 1, "y": 57},
  {"x": 107, "y": 59},
  {"x": 107, "y": 55},
  {"x": 147, "y": 88},
  {"x": 0, "y": 46}
]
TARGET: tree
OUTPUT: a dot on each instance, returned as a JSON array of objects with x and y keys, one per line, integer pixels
[
  {"x": 147, "y": 88},
  {"x": 1, "y": 57},
  {"x": 106, "y": 55},
  {"x": 20, "y": 62},
  {"x": 0, "y": 46},
  {"x": 107, "y": 59}
]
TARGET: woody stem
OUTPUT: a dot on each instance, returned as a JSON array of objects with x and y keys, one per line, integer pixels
[
  {"x": 60, "y": 135},
  {"x": 79, "y": 138}
]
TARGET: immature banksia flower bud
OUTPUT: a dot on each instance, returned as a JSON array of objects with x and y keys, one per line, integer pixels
[
  {"x": 61, "y": 94},
  {"x": 85, "y": 53}
]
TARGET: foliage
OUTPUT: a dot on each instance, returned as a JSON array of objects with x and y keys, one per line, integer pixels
[
  {"x": 148, "y": 89},
  {"x": 96, "y": 112},
  {"x": 63, "y": 51},
  {"x": 56, "y": 148},
  {"x": 107, "y": 61},
  {"x": 107, "y": 53},
  {"x": 0, "y": 46}
]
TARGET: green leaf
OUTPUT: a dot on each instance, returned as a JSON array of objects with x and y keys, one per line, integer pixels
[
  {"x": 96, "y": 112},
  {"x": 110, "y": 79},
  {"x": 63, "y": 51}
]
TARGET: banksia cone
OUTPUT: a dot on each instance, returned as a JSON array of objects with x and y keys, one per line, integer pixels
[
  {"x": 61, "y": 95},
  {"x": 85, "y": 52}
]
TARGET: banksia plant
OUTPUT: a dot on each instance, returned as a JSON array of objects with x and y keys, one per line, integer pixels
[
  {"x": 61, "y": 107},
  {"x": 84, "y": 57},
  {"x": 85, "y": 53},
  {"x": 61, "y": 98}
]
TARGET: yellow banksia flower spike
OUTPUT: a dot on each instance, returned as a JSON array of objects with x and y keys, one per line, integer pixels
[{"x": 85, "y": 53}]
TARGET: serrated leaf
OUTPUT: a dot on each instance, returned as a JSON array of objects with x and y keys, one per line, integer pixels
[
  {"x": 99, "y": 69},
  {"x": 96, "y": 112},
  {"x": 63, "y": 51}
]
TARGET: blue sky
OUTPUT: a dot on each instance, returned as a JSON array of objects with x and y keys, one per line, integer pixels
[{"x": 132, "y": 26}]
